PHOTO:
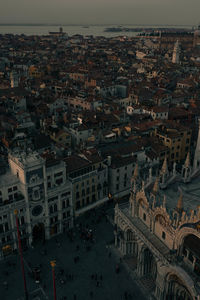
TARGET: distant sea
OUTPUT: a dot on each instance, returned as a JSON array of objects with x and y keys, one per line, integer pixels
[{"x": 95, "y": 30}]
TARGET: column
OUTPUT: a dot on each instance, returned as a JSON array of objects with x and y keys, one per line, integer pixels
[
  {"x": 59, "y": 214},
  {"x": 14, "y": 236},
  {"x": 125, "y": 248},
  {"x": 194, "y": 262},
  {"x": 115, "y": 233}
]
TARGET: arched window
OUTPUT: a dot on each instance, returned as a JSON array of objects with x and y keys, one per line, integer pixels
[
  {"x": 55, "y": 207},
  {"x": 51, "y": 209}
]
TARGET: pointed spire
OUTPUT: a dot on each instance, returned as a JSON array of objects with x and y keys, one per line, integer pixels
[
  {"x": 187, "y": 161},
  {"x": 150, "y": 173},
  {"x": 164, "y": 166},
  {"x": 179, "y": 205},
  {"x": 143, "y": 185},
  {"x": 156, "y": 185},
  {"x": 136, "y": 172},
  {"x": 164, "y": 202}
]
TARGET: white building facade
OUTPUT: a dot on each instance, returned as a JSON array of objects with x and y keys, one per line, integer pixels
[
  {"x": 40, "y": 192},
  {"x": 163, "y": 242}
]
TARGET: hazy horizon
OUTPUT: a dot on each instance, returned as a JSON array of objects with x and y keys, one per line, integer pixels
[{"x": 101, "y": 12}]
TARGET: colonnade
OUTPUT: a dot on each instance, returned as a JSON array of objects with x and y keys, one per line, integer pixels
[{"x": 131, "y": 245}]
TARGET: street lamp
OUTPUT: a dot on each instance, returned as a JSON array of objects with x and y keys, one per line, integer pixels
[
  {"x": 21, "y": 255},
  {"x": 53, "y": 264}
]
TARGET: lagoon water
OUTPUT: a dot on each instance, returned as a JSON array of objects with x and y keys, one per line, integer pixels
[
  {"x": 95, "y": 30},
  {"x": 69, "y": 29}
]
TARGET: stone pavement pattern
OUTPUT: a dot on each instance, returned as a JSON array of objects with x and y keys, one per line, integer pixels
[{"x": 78, "y": 283}]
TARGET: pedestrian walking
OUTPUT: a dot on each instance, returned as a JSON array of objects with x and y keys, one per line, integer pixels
[
  {"x": 125, "y": 295},
  {"x": 97, "y": 284},
  {"x": 91, "y": 294}
]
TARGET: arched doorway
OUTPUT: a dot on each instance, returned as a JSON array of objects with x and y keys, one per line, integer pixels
[
  {"x": 191, "y": 252},
  {"x": 149, "y": 264},
  {"x": 38, "y": 233},
  {"x": 131, "y": 244},
  {"x": 53, "y": 230},
  {"x": 131, "y": 249},
  {"x": 176, "y": 290},
  {"x": 147, "y": 269}
]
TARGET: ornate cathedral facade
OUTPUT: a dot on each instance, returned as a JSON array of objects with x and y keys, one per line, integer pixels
[{"x": 159, "y": 229}]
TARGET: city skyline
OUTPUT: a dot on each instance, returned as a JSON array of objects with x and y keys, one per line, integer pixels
[{"x": 151, "y": 12}]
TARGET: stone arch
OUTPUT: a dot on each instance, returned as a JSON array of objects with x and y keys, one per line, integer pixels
[
  {"x": 191, "y": 252},
  {"x": 147, "y": 264},
  {"x": 131, "y": 242},
  {"x": 181, "y": 234},
  {"x": 141, "y": 202},
  {"x": 161, "y": 211},
  {"x": 176, "y": 288},
  {"x": 175, "y": 279},
  {"x": 161, "y": 217}
]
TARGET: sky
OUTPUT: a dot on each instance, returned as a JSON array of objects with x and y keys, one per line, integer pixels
[{"x": 169, "y": 12}]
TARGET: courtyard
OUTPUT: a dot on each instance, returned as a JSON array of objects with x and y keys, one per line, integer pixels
[{"x": 86, "y": 266}]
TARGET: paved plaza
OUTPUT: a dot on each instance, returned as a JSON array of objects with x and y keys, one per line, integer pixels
[{"x": 85, "y": 266}]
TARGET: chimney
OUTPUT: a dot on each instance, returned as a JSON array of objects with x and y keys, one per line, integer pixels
[{"x": 109, "y": 160}]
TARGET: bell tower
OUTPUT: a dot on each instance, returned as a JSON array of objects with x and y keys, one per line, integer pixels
[
  {"x": 176, "y": 53},
  {"x": 196, "y": 163}
]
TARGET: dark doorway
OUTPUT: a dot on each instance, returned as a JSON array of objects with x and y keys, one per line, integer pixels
[{"x": 38, "y": 233}]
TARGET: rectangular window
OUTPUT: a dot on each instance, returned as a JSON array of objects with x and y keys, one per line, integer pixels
[
  {"x": 163, "y": 235},
  {"x": 77, "y": 204},
  {"x": 6, "y": 228},
  {"x": 58, "y": 174},
  {"x": 59, "y": 181},
  {"x": 144, "y": 216}
]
